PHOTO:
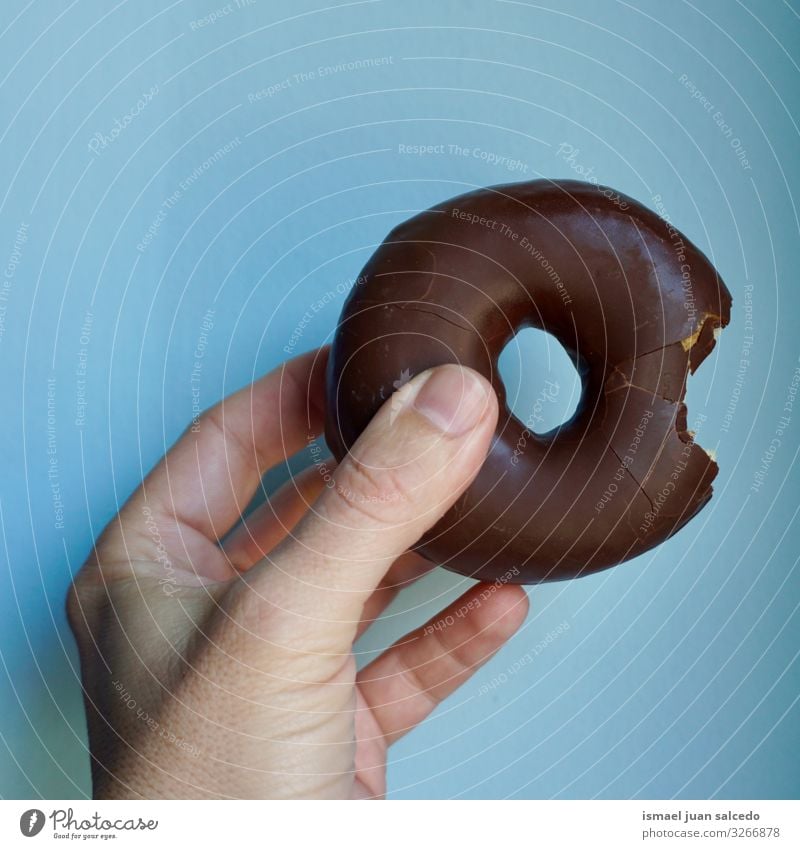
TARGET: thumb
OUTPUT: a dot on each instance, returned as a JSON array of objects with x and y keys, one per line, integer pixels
[{"x": 417, "y": 456}]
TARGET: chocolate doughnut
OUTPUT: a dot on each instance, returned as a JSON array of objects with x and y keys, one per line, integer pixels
[{"x": 637, "y": 307}]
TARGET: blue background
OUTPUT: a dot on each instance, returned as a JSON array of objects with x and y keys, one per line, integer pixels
[{"x": 677, "y": 675}]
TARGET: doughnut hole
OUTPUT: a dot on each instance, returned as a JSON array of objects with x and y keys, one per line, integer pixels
[{"x": 543, "y": 387}]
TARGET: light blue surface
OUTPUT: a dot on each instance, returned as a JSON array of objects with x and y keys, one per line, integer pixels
[{"x": 678, "y": 673}]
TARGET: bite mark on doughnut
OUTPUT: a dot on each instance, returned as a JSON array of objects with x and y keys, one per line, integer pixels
[
  {"x": 665, "y": 372},
  {"x": 689, "y": 342},
  {"x": 704, "y": 340}
]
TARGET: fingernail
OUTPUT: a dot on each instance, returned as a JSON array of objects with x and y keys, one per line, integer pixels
[{"x": 453, "y": 399}]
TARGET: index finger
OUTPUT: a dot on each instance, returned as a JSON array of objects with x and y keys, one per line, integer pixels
[{"x": 209, "y": 476}]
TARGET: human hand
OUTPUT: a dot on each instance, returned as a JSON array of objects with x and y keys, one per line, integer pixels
[{"x": 219, "y": 662}]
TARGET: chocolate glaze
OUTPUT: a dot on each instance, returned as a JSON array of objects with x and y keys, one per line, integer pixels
[{"x": 633, "y": 302}]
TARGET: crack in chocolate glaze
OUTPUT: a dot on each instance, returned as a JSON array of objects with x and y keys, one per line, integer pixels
[
  {"x": 408, "y": 306},
  {"x": 630, "y": 474},
  {"x": 628, "y": 385}
]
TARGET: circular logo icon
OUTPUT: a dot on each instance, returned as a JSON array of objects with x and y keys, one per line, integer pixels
[{"x": 31, "y": 822}]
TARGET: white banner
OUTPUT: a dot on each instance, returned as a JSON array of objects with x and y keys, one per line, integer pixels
[{"x": 403, "y": 824}]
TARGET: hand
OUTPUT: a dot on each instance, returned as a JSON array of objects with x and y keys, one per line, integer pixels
[{"x": 219, "y": 662}]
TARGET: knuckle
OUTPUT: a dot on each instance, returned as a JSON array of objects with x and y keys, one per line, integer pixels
[
  {"x": 73, "y": 607},
  {"x": 363, "y": 492},
  {"x": 214, "y": 417},
  {"x": 418, "y": 682},
  {"x": 80, "y": 602}
]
